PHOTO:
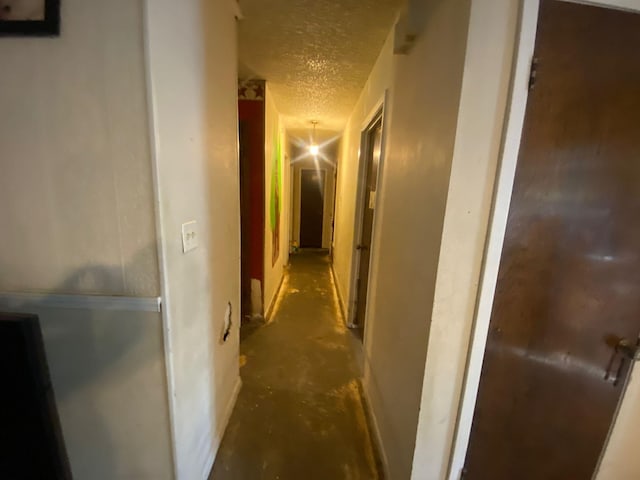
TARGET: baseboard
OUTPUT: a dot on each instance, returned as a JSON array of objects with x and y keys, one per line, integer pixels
[
  {"x": 336, "y": 285},
  {"x": 223, "y": 426},
  {"x": 377, "y": 436},
  {"x": 269, "y": 311}
]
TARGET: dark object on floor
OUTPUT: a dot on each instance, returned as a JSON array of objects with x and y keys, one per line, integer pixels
[{"x": 31, "y": 445}]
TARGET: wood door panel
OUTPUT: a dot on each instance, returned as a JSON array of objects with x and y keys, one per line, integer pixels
[
  {"x": 373, "y": 151},
  {"x": 569, "y": 280},
  {"x": 312, "y": 186}
]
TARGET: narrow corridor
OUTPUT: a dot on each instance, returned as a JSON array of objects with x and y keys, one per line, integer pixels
[{"x": 300, "y": 412}]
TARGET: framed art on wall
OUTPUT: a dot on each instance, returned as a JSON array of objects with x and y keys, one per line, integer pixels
[{"x": 29, "y": 18}]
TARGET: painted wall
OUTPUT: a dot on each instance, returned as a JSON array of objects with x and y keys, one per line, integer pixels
[
  {"x": 620, "y": 460},
  {"x": 276, "y": 201},
  {"x": 75, "y": 159},
  {"x": 76, "y": 212},
  {"x": 193, "y": 92},
  {"x": 418, "y": 155},
  {"x": 487, "y": 75},
  {"x": 344, "y": 241},
  {"x": 304, "y": 162}
]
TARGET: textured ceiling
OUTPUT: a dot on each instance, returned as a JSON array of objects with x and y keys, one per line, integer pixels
[{"x": 316, "y": 55}]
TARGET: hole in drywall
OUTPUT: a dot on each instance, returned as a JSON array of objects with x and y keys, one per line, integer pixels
[{"x": 226, "y": 330}]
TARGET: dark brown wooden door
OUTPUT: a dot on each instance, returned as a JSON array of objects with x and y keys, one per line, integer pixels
[
  {"x": 569, "y": 280},
  {"x": 372, "y": 146},
  {"x": 311, "y": 208}
]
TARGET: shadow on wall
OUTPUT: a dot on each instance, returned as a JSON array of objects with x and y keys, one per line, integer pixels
[{"x": 106, "y": 370}]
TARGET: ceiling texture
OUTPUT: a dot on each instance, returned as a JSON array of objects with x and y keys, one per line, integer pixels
[{"x": 315, "y": 55}]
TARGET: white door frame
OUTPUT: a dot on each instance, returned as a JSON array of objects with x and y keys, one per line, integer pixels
[
  {"x": 324, "y": 200},
  {"x": 500, "y": 211},
  {"x": 378, "y": 111}
]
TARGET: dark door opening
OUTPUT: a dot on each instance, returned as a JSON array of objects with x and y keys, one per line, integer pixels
[
  {"x": 372, "y": 148},
  {"x": 568, "y": 290},
  {"x": 251, "y": 153},
  {"x": 312, "y": 187}
]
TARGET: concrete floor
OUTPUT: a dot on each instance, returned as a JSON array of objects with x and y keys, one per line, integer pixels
[{"x": 299, "y": 414}]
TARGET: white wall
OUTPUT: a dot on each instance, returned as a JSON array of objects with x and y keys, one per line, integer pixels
[
  {"x": 193, "y": 79},
  {"x": 348, "y": 168},
  {"x": 76, "y": 184},
  {"x": 487, "y": 74},
  {"x": 621, "y": 460},
  {"x": 76, "y": 209},
  {"x": 274, "y": 133},
  {"x": 418, "y": 154}
]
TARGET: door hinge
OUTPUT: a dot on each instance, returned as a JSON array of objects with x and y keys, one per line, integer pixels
[{"x": 533, "y": 73}]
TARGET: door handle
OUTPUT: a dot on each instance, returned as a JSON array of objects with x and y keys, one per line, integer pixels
[
  {"x": 627, "y": 349},
  {"x": 362, "y": 247},
  {"x": 624, "y": 350}
]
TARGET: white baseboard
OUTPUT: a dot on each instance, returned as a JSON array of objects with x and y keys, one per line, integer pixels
[
  {"x": 377, "y": 436},
  {"x": 339, "y": 294},
  {"x": 223, "y": 427},
  {"x": 269, "y": 311}
]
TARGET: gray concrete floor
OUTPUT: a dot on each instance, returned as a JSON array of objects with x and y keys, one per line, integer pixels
[{"x": 300, "y": 414}]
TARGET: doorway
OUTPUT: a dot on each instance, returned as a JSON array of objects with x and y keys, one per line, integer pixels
[
  {"x": 372, "y": 147},
  {"x": 312, "y": 196},
  {"x": 252, "y": 205},
  {"x": 566, "y": 314}
]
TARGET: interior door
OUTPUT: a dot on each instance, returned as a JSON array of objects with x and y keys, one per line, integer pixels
[
  {"x": 312, "y": 185},
  {"x": 568, "y": 289},
  {"x": 373, "y": 143}
]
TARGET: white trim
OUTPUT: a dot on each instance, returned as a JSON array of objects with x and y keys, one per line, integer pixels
[
  {"x": 228, "y": 411},
  {"x": 377, "y": 434},
  {"x": 498, "y": 223},
  {"x": 377, "y": 112},
  {"x": 334, "y": 277},
  {"x": 161, "y": 241},
  {"x": 14, "y": 300}
]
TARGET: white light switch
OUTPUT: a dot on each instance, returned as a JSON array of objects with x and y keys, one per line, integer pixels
[{"x": 189, "y": 236}]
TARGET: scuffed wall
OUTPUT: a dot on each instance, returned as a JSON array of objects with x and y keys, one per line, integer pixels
[{"x": 193, "y": 79}]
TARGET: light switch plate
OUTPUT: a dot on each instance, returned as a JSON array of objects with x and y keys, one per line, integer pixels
[{"x": 189, "y": 236}]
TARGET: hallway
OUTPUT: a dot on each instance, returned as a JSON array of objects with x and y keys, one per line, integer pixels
[{"x": 300, "y": 412}]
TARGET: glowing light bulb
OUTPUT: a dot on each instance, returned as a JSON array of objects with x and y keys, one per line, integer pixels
[{"x": 314, "y": 150}]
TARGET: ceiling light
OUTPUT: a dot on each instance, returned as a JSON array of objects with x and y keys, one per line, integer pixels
[{"x": 314, "y": 149}]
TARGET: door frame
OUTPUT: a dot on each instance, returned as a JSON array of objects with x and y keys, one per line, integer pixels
[
  {"x": 512, "y": 135},
  {"x": 378, "y": 112},
  {"x": 324, "y": 201}
]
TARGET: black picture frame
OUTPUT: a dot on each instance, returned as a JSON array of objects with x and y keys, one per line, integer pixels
[{"x": 49, "y": 27}]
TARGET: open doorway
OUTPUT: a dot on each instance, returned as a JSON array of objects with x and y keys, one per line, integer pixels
[
  {"x": 251, "y": 138},
  {"x": 313, "y": 198},
  {"x": 312, "y": 193},
  {"x": 371, "y": 149}
]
